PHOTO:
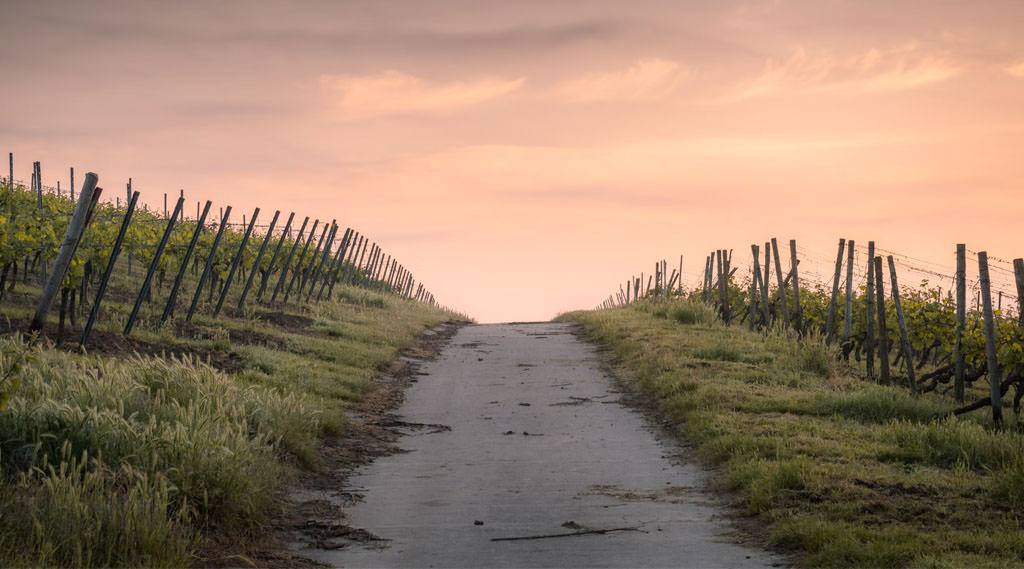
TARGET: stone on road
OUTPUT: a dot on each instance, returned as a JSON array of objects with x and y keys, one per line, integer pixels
[{"x": 529, "y": 460}]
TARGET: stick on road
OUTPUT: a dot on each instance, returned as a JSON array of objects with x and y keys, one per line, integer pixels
[{"x": 542, "y": 467}]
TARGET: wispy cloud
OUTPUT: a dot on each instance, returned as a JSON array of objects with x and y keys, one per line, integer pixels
[
  {"x": 391, "y": 92},
  {"x": 901, "y": 68},
  {"x": 646, "y": 80}
]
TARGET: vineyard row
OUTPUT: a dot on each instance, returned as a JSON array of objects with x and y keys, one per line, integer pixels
[
  {"x": 294, "y": 262},
  {"x": 920, "y": 337}
]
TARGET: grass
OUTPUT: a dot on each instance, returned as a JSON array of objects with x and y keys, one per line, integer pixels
[
  {"x": 832, "y": 469},
  {"x": 132, "y": 461}
]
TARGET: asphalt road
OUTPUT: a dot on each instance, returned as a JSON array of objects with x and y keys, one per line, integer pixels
[{"x": 521, "y": 455}]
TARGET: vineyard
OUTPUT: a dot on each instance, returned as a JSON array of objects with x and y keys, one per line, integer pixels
[
  {"x": 163, "y": 378},
  {"x": 917, "y": 337},
  {"x": 176, "y": 266},
  {"x": 851, "y": 403}
]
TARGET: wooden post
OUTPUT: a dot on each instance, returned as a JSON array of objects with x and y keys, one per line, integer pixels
[
  {"x": 273, "y": 259},
  {"x": 72, "y": 183},
  {"x": 883, "y": 327},
  {"x": 848, "y": 313},
  {"x": 10, "y": 175},
  {"x": 664, "y": 276},
  {"x": 1018, "y": 274},
  {"x": 831, "y": 319},
  {"x": 37, "y": 176},
  {"x": 723, "y": 286},
  {"x": 961, "y": 321},
  {"x": 797, "y": 311},
  {"x": 351, "y": 265},
  {"x": 339, "y": 259},
  {"x": 756, "y": 275},
  {"x": 908, "y": 352},
  {"x": 680, "y": 275},
  {"x": 234, "y": 262},
  {"x": 782, "y": 284},
  {"x": 209, "y": 264},
  {"x": 172, "y": 299},
  {"x": 994, "y": 375},
  {"x": 94, "y": 311},
  {"x": 358, "y": 270},
  {"x": 72, "y": 236},
  {"x": 259, "y": 257},
  {"x": 152, "y": 268},
  {"x": 350, "y": 259},
  {"x": 869, "y": 311},
  {"x": 288, "y": 259},
  {"x": 324, "y": 256},
  {"x": 297, "y": 272}
]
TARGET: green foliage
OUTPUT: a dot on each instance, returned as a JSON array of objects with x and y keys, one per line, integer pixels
[
  {"x": 80, "y": 512},
  {"x": 15, "y": 352}
]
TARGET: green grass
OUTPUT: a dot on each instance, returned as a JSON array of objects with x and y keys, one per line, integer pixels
[
  {"x": 133, "y": 461},
  {"x": 834, "y": 470}
]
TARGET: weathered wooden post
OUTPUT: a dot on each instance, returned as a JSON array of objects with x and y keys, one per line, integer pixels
[
  {"x": 831, "y": 319},
  {"x": 680, "y": 291},
  {"x": 303, "y": 275},
  {"x": 869, "y": 311},
  {"x": 908, "y": 352},
  {"x": 68, "y": 246},
  {"x": 339, "y": 258},
  {"x": 297, "y": 272},
  {"x": 848, "y": 313},
  {"x": 994, "y": 375},
  {"x": 288, "y": 259},
  {"x": 961, "y": 321},
  {"x": 883, "y": 326},
  {"x": 1018, "y": 275},
  {"x": 782, "y": 284},
  {"x": 350, "y": 261},
  {"x": 797, "y": 310},
  {"x": 318, "y": 270},
  {"x": 752, "y": 315}
]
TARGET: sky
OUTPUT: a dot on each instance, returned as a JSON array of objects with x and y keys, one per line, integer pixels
[{"x": 524, "y": 158}]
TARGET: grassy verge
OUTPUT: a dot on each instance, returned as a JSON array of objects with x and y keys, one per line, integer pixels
[
  {"x": 835, "y": 470},
  {"x": 110, "y": 460}
]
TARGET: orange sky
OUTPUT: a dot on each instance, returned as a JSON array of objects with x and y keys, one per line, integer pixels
[{"x": 522, "y": 158}]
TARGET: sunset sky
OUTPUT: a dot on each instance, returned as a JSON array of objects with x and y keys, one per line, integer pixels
[{"x": 524, "y": 157}]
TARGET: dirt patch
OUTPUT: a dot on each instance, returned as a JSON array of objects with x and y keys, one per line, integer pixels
[
  {"x": 313, "y": 505},
  {"x": 115, "y": 344},
  {"x": 286, "y": 321}
]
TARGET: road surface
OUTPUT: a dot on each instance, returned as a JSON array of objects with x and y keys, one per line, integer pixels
[{"x": 520, "y": 454}]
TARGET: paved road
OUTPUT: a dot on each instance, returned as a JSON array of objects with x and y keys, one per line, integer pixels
[{"x": 525, "y": 438}]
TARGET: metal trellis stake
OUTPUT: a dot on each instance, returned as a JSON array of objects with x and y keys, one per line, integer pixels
[
  {"x": 184, "y": 262},
  {"x": 110, "y": 267},
  {"x": 209, "y": 264},
  {"x": 234, "y": 263},
  {"x": 152, "y": 267}
]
